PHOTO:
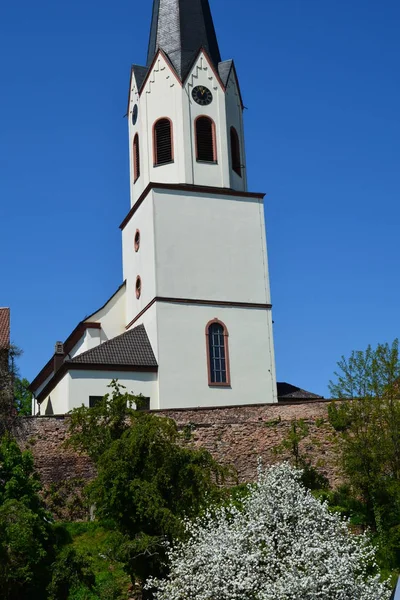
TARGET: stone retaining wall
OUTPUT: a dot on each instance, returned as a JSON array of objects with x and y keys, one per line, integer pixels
[{"x": 234, "y": 435}]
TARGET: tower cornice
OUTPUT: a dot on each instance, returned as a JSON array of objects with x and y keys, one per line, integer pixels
[{"x": 190, "y": 189}]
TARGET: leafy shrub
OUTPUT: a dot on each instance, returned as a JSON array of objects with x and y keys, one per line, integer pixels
[
  {"x": 71, "y": 571},
  {"x": 339, "y": 416}
]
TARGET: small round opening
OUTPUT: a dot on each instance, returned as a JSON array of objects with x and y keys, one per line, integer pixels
[
  {"x": 137, "y": 240},
  {"x": 138, "y": 287}
]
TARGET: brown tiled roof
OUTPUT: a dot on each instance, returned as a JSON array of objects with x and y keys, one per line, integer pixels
[
  {"x": 4, "y": 328},
  {"x": 132, "y": 348},
  {"x": 286, "y": 391}
]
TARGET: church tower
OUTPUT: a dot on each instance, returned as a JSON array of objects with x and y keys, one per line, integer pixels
[
  {"x": 194, "y": 242},
  {"x": 191, "y": 324}
]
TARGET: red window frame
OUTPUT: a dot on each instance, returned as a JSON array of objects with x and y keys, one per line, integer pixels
[
  {"x": 212, "y": 383},
  {"x": 214, "y": 139}
]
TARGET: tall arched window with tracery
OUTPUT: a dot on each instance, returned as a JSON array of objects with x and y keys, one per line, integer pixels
[
  {"x": 206, "y": 149},
  {"x": 235, "y": 152},
  {"x": 217, "y": 354},
  {"x": 163, "y": 142},
  {"x": 136, "y": 158}
]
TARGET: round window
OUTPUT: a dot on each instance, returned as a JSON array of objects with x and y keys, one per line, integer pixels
[
  {"x": 138, "y": 287},
  {"x": 137, "y": 240}
]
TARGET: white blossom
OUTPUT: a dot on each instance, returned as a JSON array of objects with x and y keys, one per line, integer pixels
[{"x": 283, "y": 544}]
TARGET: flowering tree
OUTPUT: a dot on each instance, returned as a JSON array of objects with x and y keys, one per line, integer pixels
[{"x": 283, "y": 544}]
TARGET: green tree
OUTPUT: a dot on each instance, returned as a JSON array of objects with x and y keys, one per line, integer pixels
[
  {"x": 18, "y": 479},
  {"x": 71, "y": 575},
  {"x": 8, "y": 373},
  {"x": 26, "y": 546},
  {"x": 15, "y": 397},
  {"x": 22, "y": 396},
  {"x": 148, "y": 478},
  {"x": 368, "y": 422},
  {"x": 24, "y": 541}
]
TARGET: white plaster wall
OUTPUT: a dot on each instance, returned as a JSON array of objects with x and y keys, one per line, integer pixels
[
  {"x": 90, "y": 339},
  {"x": 45, "y": 382},
  {"x": 149, "y": 320},
  {"x": 138, "y": 187},
  {"x": 94, "y": 337},
  {"x": 140, "y": 263},
  {"x": 164, "y": 96},
  {"x": 234, "y": 118},
  {"x": 79, "y": 347},
  {"x": 59, "y": 397},
  {"x": 112, "y": 319},
  {"x": 95, "y": 383},
  {"x": 210, "y": 247},
  {"x": 161, "y": 97},
  {"x": 216, "y": 175},
  {"x": 183, "y": 375}
]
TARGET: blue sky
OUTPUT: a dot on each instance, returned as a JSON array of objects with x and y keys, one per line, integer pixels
[{"x": 320, "y": 80}]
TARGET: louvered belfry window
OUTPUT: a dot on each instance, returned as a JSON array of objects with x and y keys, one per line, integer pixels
[
  {"x": 163, "y": 142},
  {"x": 235, "y": 152},
  {"x": 136, "y": 158},
  {"x": 205, "y": 140},
  {"x": 218, "y": 354}
]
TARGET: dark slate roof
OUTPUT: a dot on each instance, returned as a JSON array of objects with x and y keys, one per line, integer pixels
[
  {"x": 132, "y": 348},
  {"x": 224, "y": 69},
  {"x": 286, "y": 391},
  {"x": 140, "y": 74},
  {"x": 180, "y": 28},
  {"x": 4, "y": 328}
]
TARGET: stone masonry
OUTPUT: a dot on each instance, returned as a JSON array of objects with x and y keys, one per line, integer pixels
[{"x": 235, "y": 436}]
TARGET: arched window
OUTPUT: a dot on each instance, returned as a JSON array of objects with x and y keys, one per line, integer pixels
[
  {"x": 136, "y": 158},
  {"x": 163, "y": 148},
  {"x": 217, "y": 354},
  {"x": 205, "y": 140},
  {"x": 235, "y": 152}
]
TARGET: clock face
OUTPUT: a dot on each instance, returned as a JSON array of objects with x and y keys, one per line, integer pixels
[
  {"x": 134, "y": 114},
  {"x": 202, "y": 95}
]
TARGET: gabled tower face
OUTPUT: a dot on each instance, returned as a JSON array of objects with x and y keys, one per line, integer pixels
[
  {"x": 185, "y": 108},
  {"x": 194, "y": 244}
]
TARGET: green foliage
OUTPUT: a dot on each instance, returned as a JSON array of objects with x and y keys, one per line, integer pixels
[
  {"x": 339, "y": 416},
  {"x": 297, "y": 432},
  {"x": 22, "y": 397},
  {"x": 94, "y": 429},
  {"x": 65, "y": 499},
  {"x": 99, "y": 543},
  {"x": 369, "y": 426},
  {"x": 148, "y": 478},
  {"x": 15, "y": 397},
  {"x": 342, "y": 501},
  {"x": 273, "y": 423},
  {"x": 18, "y": 479},
  {"x": 8, "y": 373},
  {"x": 312, "y": 478},
  {"x": 71, "y": 572},
  {"x": 368, "y": 374},
  {"x": 26, "y": 544}
]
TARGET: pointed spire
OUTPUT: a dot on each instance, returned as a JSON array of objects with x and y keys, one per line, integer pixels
[{"x": 180, "y": 28}]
